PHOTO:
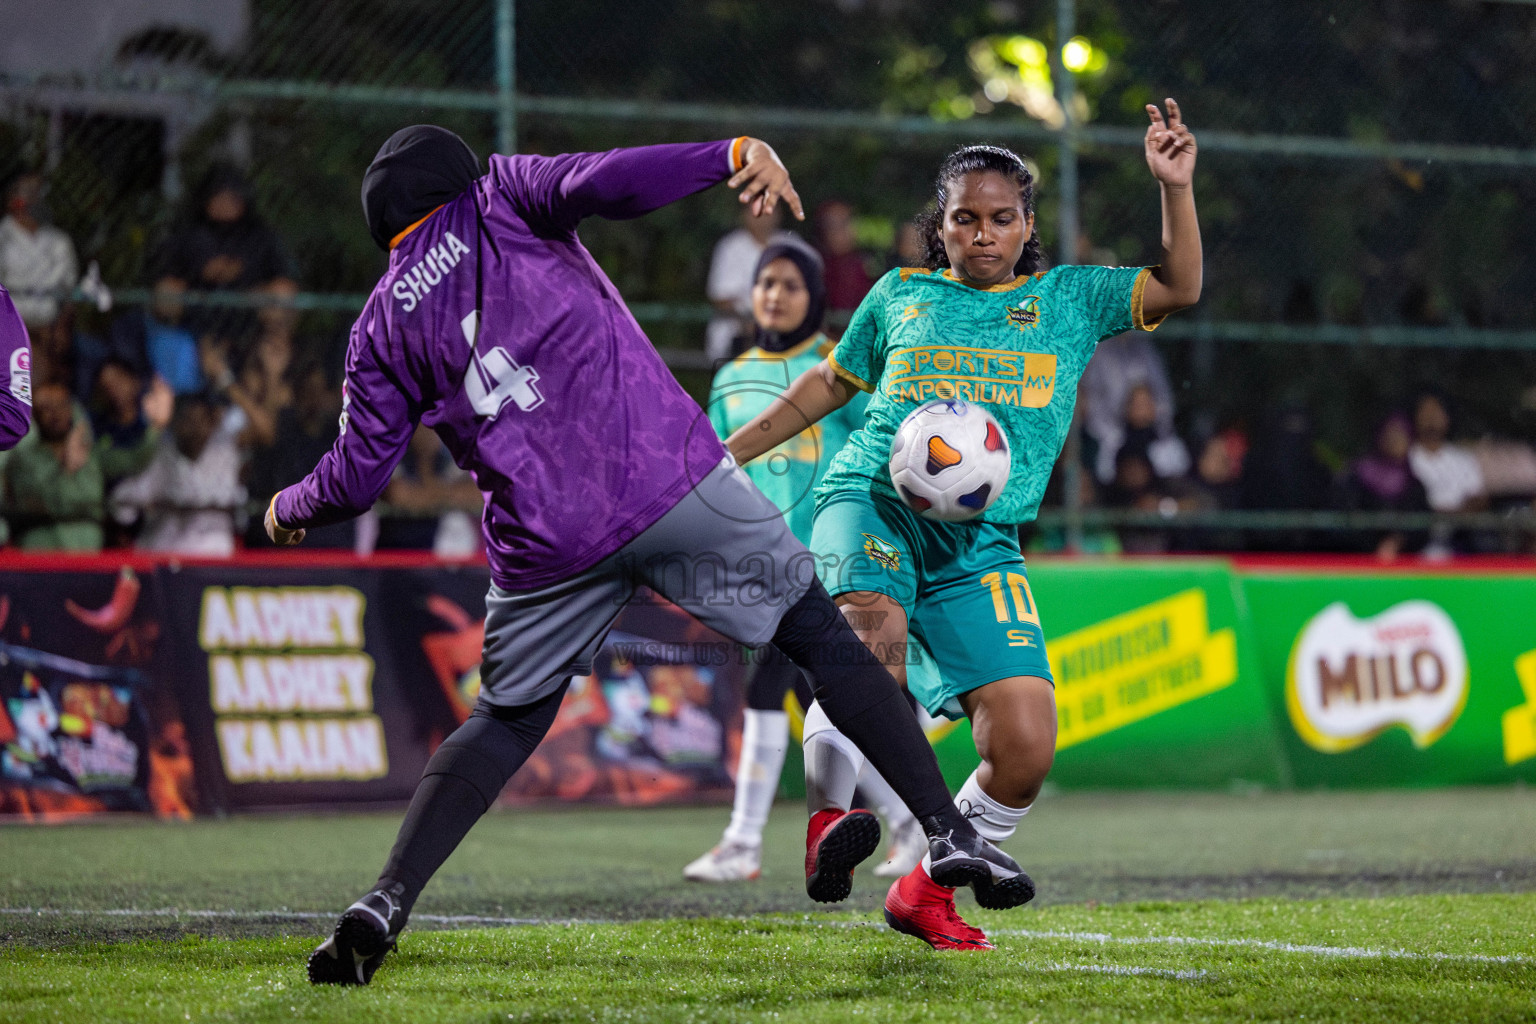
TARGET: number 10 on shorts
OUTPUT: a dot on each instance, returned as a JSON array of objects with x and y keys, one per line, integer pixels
[{"x": 1018, "y": 588}]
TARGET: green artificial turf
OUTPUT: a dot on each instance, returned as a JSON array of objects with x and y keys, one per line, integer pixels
[
  {"x": 829, "y": 969},
  {"x": 1391, "y": 906}
]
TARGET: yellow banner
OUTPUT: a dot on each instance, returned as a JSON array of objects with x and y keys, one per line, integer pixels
[
  {"x": 1520, "y": 722},
  {"x": 1137, "y": 664}
]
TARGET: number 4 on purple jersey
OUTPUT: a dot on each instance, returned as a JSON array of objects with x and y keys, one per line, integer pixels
[{"x": 495, "y": 379}]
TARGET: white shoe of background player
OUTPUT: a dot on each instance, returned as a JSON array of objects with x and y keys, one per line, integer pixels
[
  {"x": 908, "y": 844},
  {"x": 731, "y": 862}
]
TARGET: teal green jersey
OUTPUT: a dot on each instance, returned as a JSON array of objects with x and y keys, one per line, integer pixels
[
  {"x": 1016, "y": 349},
  {"x": 743, "y": 389}
]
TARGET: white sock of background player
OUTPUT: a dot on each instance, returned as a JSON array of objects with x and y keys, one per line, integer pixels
[{"x": 764, "y": 740}]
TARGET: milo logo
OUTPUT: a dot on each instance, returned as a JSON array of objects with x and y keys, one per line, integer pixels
[{"x": 1349, "y": 679}]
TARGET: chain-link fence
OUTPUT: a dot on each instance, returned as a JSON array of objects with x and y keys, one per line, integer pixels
[{"x": 1367, "y": 180}]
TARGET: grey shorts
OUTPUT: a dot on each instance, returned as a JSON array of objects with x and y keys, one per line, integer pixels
[{"x": 722, "y": 554}]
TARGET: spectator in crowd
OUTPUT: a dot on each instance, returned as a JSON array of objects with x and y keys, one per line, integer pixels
[
  {"x": 1451, "y": 475},
  {"x": 118, "y": 400},
  {"x": 1214, "y": 486},
  {"x": 1383, "y": 481},
  {"x": 1452, "y": 478},
  {"x": 730, "y": 282},
  {"x": 848, "y": 279},
  {"x": 1136, "y": 487},
  {"x": 909, "y": 250},
  {"x": 56, "y": 479},
  {"x": 1126, "y": 379},
  {"x": 259, "y": 393},
  {"x": 189, "y": 495},
  {"x": 1282, "y": 472},
  {"x": 440, "y": 502},
  {"x": 224, "y": 247},
  {"x": 304, "y": 432},
  {"x": 161, "y": 331},
  {"x": 39, "y": 268}
]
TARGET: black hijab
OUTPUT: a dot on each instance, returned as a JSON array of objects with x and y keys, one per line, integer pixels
[
  {"x": 810, "y": 265},
  {"x": 419, "y": 169}
]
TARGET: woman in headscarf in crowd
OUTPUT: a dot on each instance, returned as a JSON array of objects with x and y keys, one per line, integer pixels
[{"x": 1383, "y": 481}]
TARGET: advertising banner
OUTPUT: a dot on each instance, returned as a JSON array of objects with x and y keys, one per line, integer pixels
[
  {"x": 1399, "y": 679},
  {"x": 85, "y": 725},
  {"x": 1157, "y": 683},
  {"x": 336, "y": 690},
  {"x": 132, "y": 685}
]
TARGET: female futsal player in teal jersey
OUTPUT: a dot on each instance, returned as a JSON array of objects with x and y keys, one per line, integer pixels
[{"x": 983, "y": 323}]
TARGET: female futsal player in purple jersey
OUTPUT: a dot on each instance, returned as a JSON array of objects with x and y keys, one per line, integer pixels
[
  {"x": 494, "y": 326},
  {"x": 16, "y": 384}
]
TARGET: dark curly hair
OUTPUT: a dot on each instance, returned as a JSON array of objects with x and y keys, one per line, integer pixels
[{"x": 970, "y": 160}]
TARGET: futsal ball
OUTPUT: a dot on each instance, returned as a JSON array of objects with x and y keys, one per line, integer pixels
[{"x": 949, "y": 461}]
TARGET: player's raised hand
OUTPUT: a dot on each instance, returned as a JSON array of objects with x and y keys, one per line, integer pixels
[
  {"x": 764, "y": 180},
  {"x": 280, "y": 536},
  {"x": 1170, "y": 145}
]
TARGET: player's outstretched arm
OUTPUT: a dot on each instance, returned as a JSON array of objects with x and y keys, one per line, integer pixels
[
  {"x": 558, "y": 192},
  {"x": 378, "y": 418},
  {"x": 764, "y": 180},
  {"x": 1170, "y": 151},
  {"x": 814, "y": 394}
]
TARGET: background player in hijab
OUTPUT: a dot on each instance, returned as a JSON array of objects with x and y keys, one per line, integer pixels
[
  {"x": 981, "y": 323},
  {"x": 788, "y": 307},
  {"x": 16, "y": 385},
  {"x": 494, "y": 326}
]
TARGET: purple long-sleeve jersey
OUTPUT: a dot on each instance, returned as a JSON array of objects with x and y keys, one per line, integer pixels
[
  {"x": 495, "y": 327},
  {"x": 16, "y": 392}
]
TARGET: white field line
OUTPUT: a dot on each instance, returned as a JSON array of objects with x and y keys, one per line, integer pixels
[
  {"x": 1154, "y": 972},
  {"x": 1343, "y": 952},
  {"x": 291, "y": 915}
]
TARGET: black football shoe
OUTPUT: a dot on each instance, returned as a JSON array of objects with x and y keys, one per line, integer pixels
[
  {"x": 364, "y": 936},
  {"x": 997, "y": 880}
]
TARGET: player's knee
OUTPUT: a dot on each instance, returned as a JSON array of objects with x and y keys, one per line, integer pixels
[{"x": 1018, "y": 744}]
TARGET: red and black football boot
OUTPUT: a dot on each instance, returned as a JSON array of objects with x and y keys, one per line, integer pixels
[
  {"x": 835, "y": 841},
  {"x": 921, "y": 907}
]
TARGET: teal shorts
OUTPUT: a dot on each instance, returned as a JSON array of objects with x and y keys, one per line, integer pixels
[{"x": 963, "y": 585}]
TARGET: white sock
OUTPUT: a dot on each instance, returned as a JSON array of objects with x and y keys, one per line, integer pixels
[
  {"x": 832, "y": 764},
  {"x": 991, "y": 820},
  {"x": 887, "y": 804},
  {"x": 764, "y": 739}
]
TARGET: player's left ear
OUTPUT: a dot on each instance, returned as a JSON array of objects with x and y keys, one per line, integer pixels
[{"x": 1029, "y": 227}]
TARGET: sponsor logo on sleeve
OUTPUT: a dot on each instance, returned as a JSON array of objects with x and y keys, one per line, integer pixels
[
  {"x": 883, "y": 552},
  {"x": 21, "y": 375},
  {"x": 1350, "y": 679}
]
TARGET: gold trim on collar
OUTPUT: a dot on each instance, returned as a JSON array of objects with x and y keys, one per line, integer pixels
[{"x": 1018, "y": 282}]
